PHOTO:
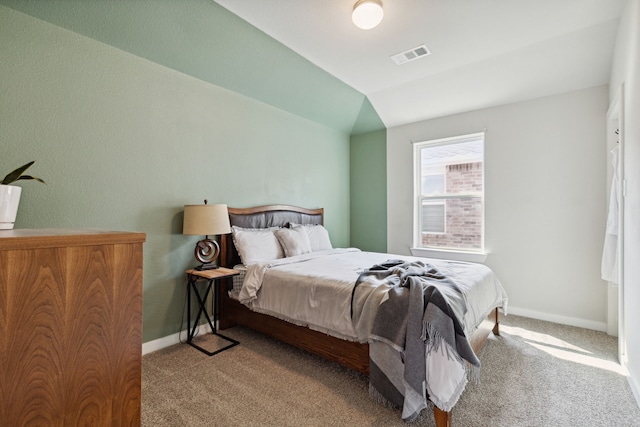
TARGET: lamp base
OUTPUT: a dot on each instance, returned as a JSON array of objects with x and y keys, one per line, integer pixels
[
  {"x": 206, "y": 266},
  {"x": 206, "y": 252}
]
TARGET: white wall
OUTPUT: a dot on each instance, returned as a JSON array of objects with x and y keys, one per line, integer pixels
[
  {"x": 545, "y": 170},
  {"x": 626, "y": 70}
]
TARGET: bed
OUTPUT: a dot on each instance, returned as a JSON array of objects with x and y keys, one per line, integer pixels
[{"x": 326, "y": 335}]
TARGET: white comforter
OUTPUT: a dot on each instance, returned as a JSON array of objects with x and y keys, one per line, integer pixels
[{"x": 315, "y": 289}]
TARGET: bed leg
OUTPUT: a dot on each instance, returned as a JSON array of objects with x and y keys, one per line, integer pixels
[
  {"x": 496, "y": 327},
  {"x": 443, "y": 418}
]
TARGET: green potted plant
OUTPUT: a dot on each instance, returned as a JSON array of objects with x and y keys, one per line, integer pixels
[{"x": 10, "y": 195}]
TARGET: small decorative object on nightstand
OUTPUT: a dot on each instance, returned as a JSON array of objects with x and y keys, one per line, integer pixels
[
  {"x": 206, "y": 220},
  {"x": 212, "y": 279}
]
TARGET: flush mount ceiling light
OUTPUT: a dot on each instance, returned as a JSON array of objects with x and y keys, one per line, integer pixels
[{"x": 367, "y": 13}]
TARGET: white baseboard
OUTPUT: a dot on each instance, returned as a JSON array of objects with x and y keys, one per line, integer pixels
[
  {"x": 556, "y": 318},
  {"x": 160, "y": 343},
  {"x": 168, "y": 341}
]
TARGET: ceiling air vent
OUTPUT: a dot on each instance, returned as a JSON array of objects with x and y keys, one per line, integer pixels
[{"x": 410, "y": 55}]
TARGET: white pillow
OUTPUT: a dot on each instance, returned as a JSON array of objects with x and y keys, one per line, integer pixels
[
  {"x": 256, "y": 244},
  {"x": 294, "y": 241},
  {"x": 318, "y": 236}
]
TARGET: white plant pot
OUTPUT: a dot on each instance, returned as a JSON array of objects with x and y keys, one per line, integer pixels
[{"x": 9, "y": 200}]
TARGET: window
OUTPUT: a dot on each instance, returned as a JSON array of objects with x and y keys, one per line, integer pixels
[
  {"x": 433, "y": 183},
  {"x": 433, "y": 217},
  {"x": 449, "y": 194}
]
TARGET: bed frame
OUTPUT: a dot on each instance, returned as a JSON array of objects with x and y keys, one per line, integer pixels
[{"x": 350, "y": 354}]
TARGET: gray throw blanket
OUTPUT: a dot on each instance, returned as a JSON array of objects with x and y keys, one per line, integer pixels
[{"x": 423, "y": 310}]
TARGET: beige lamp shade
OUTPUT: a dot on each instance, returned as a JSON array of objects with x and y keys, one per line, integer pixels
[{"x": 205, "y": 220}]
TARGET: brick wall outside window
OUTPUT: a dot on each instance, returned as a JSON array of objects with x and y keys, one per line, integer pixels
[{"x": 463, "y": 216}]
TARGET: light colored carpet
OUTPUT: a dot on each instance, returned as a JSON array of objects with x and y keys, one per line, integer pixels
[{"x": 535, "y": 374}]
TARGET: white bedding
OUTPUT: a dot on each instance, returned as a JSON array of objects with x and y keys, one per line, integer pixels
[{"x": 315, "y": 289}]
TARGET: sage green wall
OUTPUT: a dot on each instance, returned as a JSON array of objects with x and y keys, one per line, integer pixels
[
  {"x": 202, "y": 39},
  {"x": 368, "y": 170},
  {"x": 124, "y": 143},
  {"x": 368, "y": 120}
]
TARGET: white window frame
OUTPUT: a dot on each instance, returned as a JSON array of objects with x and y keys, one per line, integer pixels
[{"x": 476, "y": 255}]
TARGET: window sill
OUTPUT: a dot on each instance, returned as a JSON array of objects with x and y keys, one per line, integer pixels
[{"x": 479, "y": 257}]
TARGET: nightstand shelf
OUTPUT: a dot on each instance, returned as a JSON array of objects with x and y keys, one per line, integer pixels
[{"x": 212, "y": 278}]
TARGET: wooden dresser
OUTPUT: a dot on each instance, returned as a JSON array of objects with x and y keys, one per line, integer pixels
[{"x": 70, "y": 327}]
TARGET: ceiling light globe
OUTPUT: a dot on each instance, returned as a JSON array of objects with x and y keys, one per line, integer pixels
[{"x": 367, "y": 13}]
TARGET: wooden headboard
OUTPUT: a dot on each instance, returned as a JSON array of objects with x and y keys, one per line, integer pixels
[{"x": 264, "y": 217}]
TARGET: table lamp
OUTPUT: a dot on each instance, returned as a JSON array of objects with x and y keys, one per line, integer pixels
[{"x": 206, "y": 220}]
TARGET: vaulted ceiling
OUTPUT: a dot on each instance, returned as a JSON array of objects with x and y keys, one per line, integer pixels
[
  {"x": 306, "y": 56},
  {"x": 483, "y": 52}
]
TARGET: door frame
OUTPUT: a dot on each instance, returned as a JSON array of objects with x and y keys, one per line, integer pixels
[{"x": 615, "y": 137}]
